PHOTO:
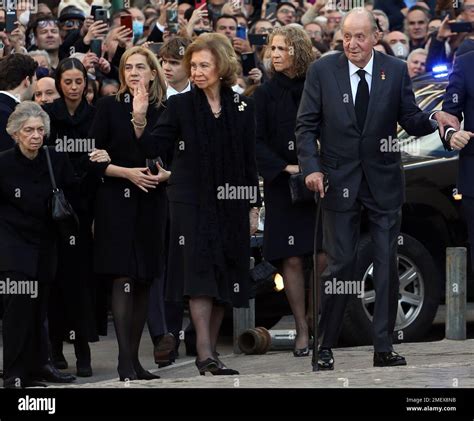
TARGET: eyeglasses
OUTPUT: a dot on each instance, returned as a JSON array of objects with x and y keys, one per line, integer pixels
[
  {"x": 313, "y": 33},
  {"x": 265, "y": 31},
  {"x": 287, "y": 11},
  {"x": 334, "y": 20}
]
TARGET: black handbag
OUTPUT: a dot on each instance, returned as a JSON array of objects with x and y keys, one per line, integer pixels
[
  {"x": 62, "y": 212},
  {"x": 298, "y": 190}
]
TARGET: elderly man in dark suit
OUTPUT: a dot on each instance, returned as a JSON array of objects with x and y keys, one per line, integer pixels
[
  {"x": 352, "y": 102},
  {"x": 459, "y": 101}
]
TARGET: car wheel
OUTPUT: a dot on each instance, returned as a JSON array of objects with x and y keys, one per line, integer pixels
[{"x": 419, "y": 294}]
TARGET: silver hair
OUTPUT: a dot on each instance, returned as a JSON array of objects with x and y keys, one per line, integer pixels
[
  {"x": 361, "y": 10},
  {"x": 417, "y": 51},
  {"x": 24, "y": 111},
  {"x": 42, "y": 53}
]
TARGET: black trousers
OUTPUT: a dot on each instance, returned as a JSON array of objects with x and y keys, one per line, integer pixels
[
  {"x": 468, "y": 207},
  {"x": 24, "y": 331},
  {"x": 156, "y": 308},
  {"x": 340, "y": 241}
]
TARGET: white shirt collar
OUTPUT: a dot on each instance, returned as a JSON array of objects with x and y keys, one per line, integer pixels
[
  {"x": 368, "y": 68},
  {"x": 17, "y": 99},
  {"x": 170, "y": 91}
]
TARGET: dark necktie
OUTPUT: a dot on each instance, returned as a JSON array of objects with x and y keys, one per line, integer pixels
[{"x": 362, "y": 99}]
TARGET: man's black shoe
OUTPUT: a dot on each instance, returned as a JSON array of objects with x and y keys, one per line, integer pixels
[
  {"x": 51, "y": 374},
  {"x": 388, "y": 359},
  {"x": 325, "y": 359}
]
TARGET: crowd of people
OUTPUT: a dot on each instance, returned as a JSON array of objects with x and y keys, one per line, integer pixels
[{"x": 144, "y": 113}]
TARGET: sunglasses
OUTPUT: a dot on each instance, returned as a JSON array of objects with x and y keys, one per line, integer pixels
[
  {"x": 46, "y": 22},
  {"x": 71, "y": 24}
]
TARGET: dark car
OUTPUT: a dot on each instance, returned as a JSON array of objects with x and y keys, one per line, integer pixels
[{"x": 432, "y": 220}]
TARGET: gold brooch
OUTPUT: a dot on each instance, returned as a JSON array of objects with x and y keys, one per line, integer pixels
[{"x": 242, "y": 106}]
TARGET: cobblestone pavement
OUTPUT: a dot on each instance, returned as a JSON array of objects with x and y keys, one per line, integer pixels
[{"x": 443, "y": 364}]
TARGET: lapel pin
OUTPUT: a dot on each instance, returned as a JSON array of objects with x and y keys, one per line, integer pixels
[{"x": 382, "y": 75}]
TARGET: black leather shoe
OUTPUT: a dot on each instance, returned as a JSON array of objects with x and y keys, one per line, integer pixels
[
  {"x": 50, "y": 374},
  {"x": 215, "y": 367},
  {"x": 388, "y": 359},
  {"x": 325, "y": 359}
]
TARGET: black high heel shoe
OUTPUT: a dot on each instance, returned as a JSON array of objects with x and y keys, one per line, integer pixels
[
  {"x": 223, "y": 368},
  {"x": 146, "y": 375},
  {"x": 303, "y": 352},
  {"x": 215, "y": 367}
]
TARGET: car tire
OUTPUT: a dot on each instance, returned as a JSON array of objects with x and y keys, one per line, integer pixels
[{"x": 425, "y": 283}]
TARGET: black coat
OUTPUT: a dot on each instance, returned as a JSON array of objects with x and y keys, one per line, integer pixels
[
  {"x": 71, "y": 305},
  {"x": 288, "y": 228},
  {"x": 177, "y": 133},
  {"x": 27, "y": 236},
  {"x": 459, "y": 101},
  {"x": 128, "y": 221},
  {"x": 7, "y": 106},
  {"x": 70, "y": 134}
]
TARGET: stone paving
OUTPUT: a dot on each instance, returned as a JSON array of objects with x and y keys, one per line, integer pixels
[{"x": 441, "y": 364}]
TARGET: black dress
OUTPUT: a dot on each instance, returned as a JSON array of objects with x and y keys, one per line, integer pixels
[
  {"x": 202, "y": 161},
  {"x": 289, "y": 229},
  {"x": 73, "y": 300},
  {"x": 129, "y": 223}
]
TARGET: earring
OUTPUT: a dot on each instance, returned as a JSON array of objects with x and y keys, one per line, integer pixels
[{"x": 220, "y": 78}]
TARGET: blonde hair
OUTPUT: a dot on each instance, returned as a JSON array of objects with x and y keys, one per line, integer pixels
[
  {"x": 221, "y": 48},
  {"x": 157, "y": 88},
  {"x": 300, "y": 46}
]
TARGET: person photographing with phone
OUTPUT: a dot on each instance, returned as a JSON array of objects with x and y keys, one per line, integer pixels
[{"x": 452, "y": 33}]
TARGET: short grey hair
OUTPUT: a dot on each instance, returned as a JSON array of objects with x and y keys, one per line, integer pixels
[
  {"x": 417, "y": 51},
  {"x": 24, "y": 111},
  {"x": 361, "y": 10},
  {"x": 42, "y": 53}
]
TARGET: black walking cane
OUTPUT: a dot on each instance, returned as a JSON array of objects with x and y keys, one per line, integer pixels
[{"x": 315, "y": 280}]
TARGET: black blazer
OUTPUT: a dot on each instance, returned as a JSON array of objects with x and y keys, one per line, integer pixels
[
  {"x": 459, "y": 100},
  {"x": 27, "y": 238},
  {"x": 176, "y": 134},
  {"x": 7, "y": 106},
  {"x": 347, "y": 153}
]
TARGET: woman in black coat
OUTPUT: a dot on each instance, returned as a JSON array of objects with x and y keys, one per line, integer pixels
[
  {"x": 131, "y": 207},
  {"x": 27, "y": 240},
  {"x": 71, "y": 307},
  {"x": 289, "y": 228},
  {"x": 211, "y": 133}
]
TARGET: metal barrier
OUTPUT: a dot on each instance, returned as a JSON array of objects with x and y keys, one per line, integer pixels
[{"x": 456, "y": 293}]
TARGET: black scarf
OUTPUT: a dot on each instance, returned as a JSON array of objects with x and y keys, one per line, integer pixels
[
  {"x": 223, "y": 230},
  {"x": 294, "y": 86}
]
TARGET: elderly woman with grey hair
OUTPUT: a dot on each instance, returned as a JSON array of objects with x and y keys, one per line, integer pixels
[{"x": 27, "y": 241}]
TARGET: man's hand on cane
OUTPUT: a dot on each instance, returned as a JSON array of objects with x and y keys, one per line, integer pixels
[{"x": 315, "y": 182}]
